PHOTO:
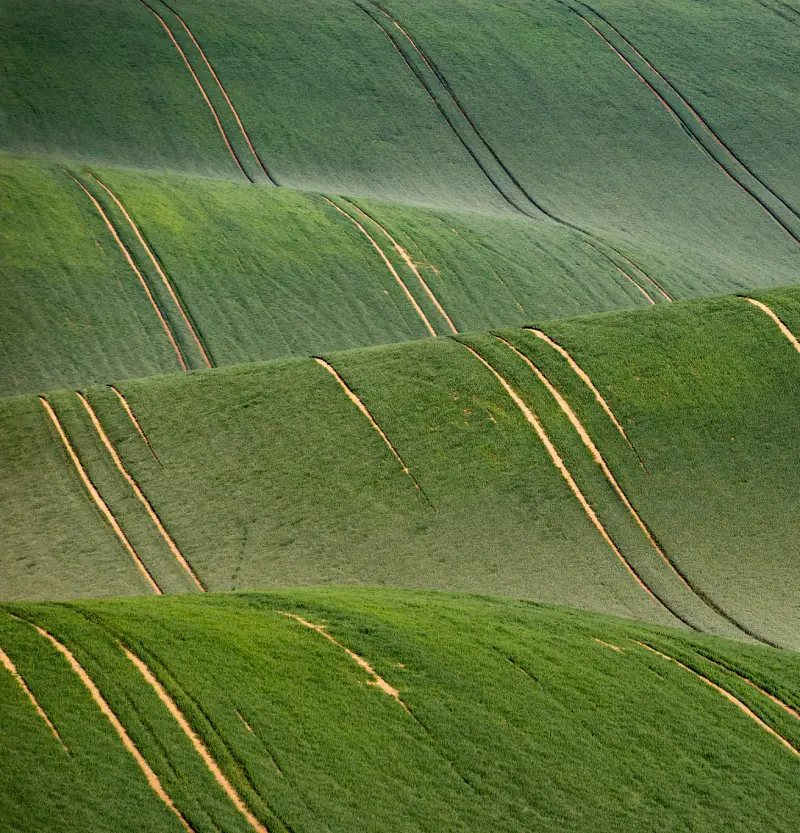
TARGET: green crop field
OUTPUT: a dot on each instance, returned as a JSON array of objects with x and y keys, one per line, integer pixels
[{"x": 398, "y": 415}]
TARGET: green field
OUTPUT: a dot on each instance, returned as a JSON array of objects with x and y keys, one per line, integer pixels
[{"x": 464, "y": 334}]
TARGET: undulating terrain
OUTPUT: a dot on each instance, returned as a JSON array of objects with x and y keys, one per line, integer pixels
[{"x": 399, "y": 415}]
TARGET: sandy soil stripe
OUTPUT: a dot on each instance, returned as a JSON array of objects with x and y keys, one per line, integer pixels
[
  {"x": 411, "y": 265},
  {"x": 607, "y": 645},
  {"x": 5, "y": 660},
  {"x": 152, "y": 778},
  {"x": 201, "y": 88},
  {"x": 728, "y": 696},
  {"x": 134, "y": 420},
  {"x": 596, "y": 455},
  {"x": 198, "y": 744},
  {"x": 781, "y": 326},
  {"x": 173, "y": 547},
  {"x": 157, "y": 265},
  {"x": 129, "y": 258},
  {"x": 95, "y": 495},
  {"x": 564, "y": 471},
  {"x": 224, "y": 93},
  {"x": 389, "y": 266},
  {"x": 584, "y": 377},
  {"x": 376, "y": 680}
]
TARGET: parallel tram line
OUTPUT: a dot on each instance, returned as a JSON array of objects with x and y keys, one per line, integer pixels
[
  {"x": 137, "y": 425},
  {"x": 792, "y": 338}
]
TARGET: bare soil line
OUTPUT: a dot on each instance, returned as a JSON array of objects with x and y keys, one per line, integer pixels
[
  {"x": 608, "y": 645},
  {"x": 372, "y": 421},
  {"x": 202, "y": 91},
  {"x": 376, "y": 680},
  {"x": 768, "y": 209},
  {"x": 98, "y": 500},
  {"x": 411, "y": 265},
  {"x": 728, "y": 696},
  {"x": 585, "y": 378},
  {"x": 157, "y": 265},
  {"x": 5, "y": 660},
  {"x": 224, "y": 93},
  {"x": 778, "y": 702},
  {"x": 197, "y": 743},
  {"x": 173, "y": 547},
  {"x": 569, "y": 479},
  {"x": 152, "y": 778},
  {"x": 129, "y": 411},
  {"x": 781, "y": 326},
  {"x": 389, "y": 266},
  {"x": 129, "y": 258}
]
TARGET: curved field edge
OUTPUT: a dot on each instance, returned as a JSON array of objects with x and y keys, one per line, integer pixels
[{"x": 506, "y": 711}]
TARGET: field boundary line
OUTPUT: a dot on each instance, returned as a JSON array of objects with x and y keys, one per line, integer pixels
[
  {"x": 200, "y": 747},
  {"x": 773, "y": 315},
  {"x": 157, "y": 265},
  {"x": 412, "y": 300},
  {"x": 223, "y": 91},
  {"x": 129, "y": 411},
  {"x": 173, "y": 547},
  {"x": 202, "y": 91},
  {"x": 127, "y": 742},
  {"x": 376, "y": 680},
  {"x": 356, "y": 400},
  {"x": 96, "y": 497},
  {"x": 7, "y": 662},
  {"x": 727, "y": 695},
  {"x": 558, "y": 462},
  {"x": 129, "y": 258},
  {"x": 410, "y": 263}
]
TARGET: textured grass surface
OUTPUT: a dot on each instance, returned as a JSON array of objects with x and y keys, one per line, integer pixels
[{"x": 518, "y": 718}]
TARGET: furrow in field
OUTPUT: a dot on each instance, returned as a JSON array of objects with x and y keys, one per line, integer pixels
[
  {"x": 585, "y": 378},
  {"x": 202, "y": 91},
  {"x": 728, "y": 696},
  {"x": 783, "y": 10},
  {"x": 734, "y": 162},
  {"x": 157, "y": 265},
  {"x": 201, "y": 749},
  {"x": 372, "y": 421},
  {"x": 411, "y": 299},
  {"x": 129, "y": 258},
  {"x": 5, "y": 660},
  {"x": 781, "y": 326},
  {"x": 224, "y": 92},
  {"x": 570, "y": 480},
  {"x": 98, "y": 500},
  {"x": 376, "y": 680},
  {"x": 590, "y": 445},
  {"x": 129, "y": 411},
  {"x": 502, "y": 179},
  {"x": 173, "y": 547},
  {"x": 152, "y": 778},
  {"x": 607, "y": 645},
  {"x": 410, "y": 263}
]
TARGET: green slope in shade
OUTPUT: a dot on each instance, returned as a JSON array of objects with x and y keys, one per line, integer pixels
[
  {"x": 517, "y": 717},
  {"x": 267, "y": 474}
]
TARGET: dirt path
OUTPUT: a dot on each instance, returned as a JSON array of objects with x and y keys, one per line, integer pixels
[
  {"x": 132, "y": 417},
  {"x": 173, "y": 547},
  {"x": 781, "y": 326},
  {"x": 607, "y": 645},
  {"x": 157, "y": 265},
  {"x": 728, "y": 696},
  {"x": 5, "y": 660},
  {"x": 376, "y": 680},
  {"x": 197, "y": 743},
  {"x": 565, "y": 473},
  {"x": 389, "y": 266},
  {"x": 224, "y": 93},
  {"x": 152, "y": 778},
  {"x": 129, "y": 258},
  {"x": 585, "y": 378},
  {"x": 411, "y": 265},
  {"x": 202, "y": 90},
  {"x": 98, "y": 500}
]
